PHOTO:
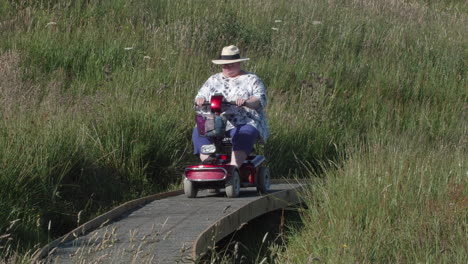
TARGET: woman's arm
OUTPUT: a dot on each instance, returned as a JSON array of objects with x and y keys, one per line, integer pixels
[
  {"x": 204, "y": 93},
  {"x": 253, "y": 102},
  {"x": 258, "y": 98}
]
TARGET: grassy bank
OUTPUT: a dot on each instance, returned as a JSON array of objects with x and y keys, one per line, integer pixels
[
  {"x": 97, "y": 110},
  {"x": 400, "y": 194},
  {"x": 398, "y": 204}
]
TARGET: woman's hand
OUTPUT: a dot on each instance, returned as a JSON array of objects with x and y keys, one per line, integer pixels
[
  {"x": 199, "y": 101},
  {"x": 240, "y": 102}
]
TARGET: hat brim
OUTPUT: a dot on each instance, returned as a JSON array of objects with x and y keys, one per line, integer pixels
[{"x": 229, "y": 61}]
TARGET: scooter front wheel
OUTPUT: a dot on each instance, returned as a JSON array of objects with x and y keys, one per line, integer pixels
[
  {"x": 189, "y": 189},
  {"x": 233, "y": 185}
]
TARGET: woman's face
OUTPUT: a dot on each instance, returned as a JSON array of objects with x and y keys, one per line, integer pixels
[{"x": 231, "y": 69}]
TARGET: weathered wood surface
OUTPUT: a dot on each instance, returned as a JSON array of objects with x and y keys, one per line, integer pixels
[{"x": 170, "y": 230}]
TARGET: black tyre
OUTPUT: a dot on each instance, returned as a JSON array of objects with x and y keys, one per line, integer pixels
[
  {"x": 263, "y": 180},
  {"x": 189, "y": 189},
  {"x": 233, "y": 185}
]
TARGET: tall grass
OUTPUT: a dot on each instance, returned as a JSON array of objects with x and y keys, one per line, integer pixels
[
  {"x": 392, "y": 201},
  {"x": 97, "y": 104},
  {"x": 400, "y": 192}
]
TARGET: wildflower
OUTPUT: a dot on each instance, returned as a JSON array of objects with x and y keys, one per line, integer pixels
[
  {"x": 128, "y": 48},
  {"x": 275, "y": 29},
  {"x": 146, "y": 57},
  {"x": 278, "y": 21},
  {"x": 345, "y": 246}
]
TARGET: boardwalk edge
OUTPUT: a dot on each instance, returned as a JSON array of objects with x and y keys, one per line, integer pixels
[
  {"x": 100, "y": 220},
  {"x": 231, "y": 222}
]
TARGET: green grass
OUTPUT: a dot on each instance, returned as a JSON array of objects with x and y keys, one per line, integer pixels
[
  {"x": 368, "y": 95},
  {"x": 398, "y": 204}
]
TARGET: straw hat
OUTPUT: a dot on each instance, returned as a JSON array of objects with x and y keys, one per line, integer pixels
[{"x": 230, "y": 54}]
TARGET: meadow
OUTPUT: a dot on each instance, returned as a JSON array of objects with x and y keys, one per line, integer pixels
[{"x": 368, "y": 96}]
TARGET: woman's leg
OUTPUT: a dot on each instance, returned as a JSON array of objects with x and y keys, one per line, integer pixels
[
  {"x": 238, "y": 157},
  {"x": 199, "y": 141},
  {"x": 243, "y": 138}
]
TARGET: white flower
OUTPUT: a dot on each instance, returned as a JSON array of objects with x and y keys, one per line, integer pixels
[
  {"x": 276, "y": 29},
  {"x": 278, "y": 21},
  {"x": 128, "y": 48},
  {"x": 146, "y": 57}
]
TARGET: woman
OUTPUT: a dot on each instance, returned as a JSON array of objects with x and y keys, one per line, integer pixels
[{"x": 246, "y": 122}]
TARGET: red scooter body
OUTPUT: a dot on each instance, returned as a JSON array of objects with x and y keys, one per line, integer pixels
[{"x": 217, "y": 173}]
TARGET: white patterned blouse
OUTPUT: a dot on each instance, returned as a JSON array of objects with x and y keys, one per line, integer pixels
[{"x": 240, "y": 87}]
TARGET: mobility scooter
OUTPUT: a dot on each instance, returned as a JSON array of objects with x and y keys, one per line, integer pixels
[{"x": 216, "y": 172}]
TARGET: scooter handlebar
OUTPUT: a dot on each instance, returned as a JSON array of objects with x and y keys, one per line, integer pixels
[{"x": 207, "y": 103}]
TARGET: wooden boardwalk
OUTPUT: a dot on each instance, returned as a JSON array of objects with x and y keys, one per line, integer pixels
[{"x": 175, "y": 229}]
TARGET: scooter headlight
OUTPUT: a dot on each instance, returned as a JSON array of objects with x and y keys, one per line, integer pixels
[{"x": 208, "y": 149}]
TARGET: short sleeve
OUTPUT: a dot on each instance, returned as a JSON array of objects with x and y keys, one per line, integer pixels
[
  {"x": 205, "y": 90},
  {"x": 259, "y": 91}
]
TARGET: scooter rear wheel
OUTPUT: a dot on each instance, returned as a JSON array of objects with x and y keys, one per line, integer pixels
[
  {"x": 263, "y": 180},
  {"x": 189, "y": 189},
  {"x": 233, "y": 185}
]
